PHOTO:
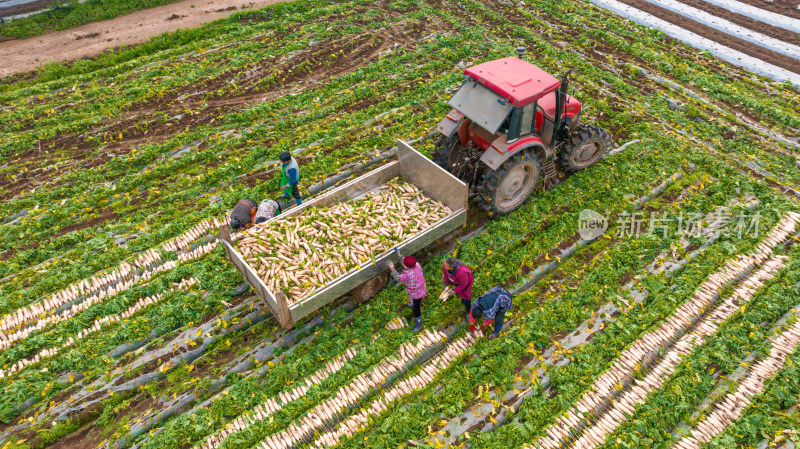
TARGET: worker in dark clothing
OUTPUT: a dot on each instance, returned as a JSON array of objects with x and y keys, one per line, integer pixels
[
  {"x": 244, "y": 214},
  {"x": 266, "y": 210},
  {"x": 290, "y": 178},
  {"x": 460, "y": 276},
  {"x": 493, "y": 305}
]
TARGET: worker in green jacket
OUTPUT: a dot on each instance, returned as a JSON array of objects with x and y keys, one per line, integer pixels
[{"x": 290, "y": 178}]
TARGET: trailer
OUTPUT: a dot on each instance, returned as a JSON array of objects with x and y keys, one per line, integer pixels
[{"x": 370, "y": 277}]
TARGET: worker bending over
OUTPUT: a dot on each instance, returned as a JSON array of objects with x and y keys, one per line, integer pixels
[
  {"x": 493, "y": 305},
  {"x": 460, "y": 276},
  {"x": 243, "y": 215},
  {"x": 266, "y": 210},
  {"x": 414, "y": 280},
  {"x": 291, "y": 176}
]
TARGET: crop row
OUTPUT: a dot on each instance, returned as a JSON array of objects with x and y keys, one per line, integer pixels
[
  {"x": 96, "y": 326},
  {"x": 548, "y": 220},
  {"x": 594, "y": 325},
  {"x": 633, "y": 358},
  {"x": 625, "y": 404},
  {"x": 70, "y": 302},
  {"x": 730, "y": 407},
  {"x": 423, "y": 378},
  {"x": 271, "y": 406},
  {"x": 711, "y": 368},
  {"x": 539, "y": 409}
]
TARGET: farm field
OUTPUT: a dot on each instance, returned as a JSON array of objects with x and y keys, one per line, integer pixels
[{"x": 119, "y": 327}]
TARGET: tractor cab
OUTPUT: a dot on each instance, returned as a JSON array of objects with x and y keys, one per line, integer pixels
[
  {"x": 510, "y": 121},
  {"x": 511, "y": 99}
]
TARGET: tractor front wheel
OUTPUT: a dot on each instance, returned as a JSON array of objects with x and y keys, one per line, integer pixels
[
  {"x": 506, "y": 189},
  {"x": 447, "y": 152},
  {"x": 586, "y": 146}
]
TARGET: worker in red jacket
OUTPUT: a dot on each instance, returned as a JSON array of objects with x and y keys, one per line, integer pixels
[{"x": 460, "y": 276}]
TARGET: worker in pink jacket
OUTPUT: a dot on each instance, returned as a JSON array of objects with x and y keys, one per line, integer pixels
[
  {"x": 414, "y": 280},
  {"x": 460, "y": 276}
]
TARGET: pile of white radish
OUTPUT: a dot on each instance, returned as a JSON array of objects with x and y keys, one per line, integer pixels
[
  {"x": 627, "y": 402},
  {"x": 446, "y": 293},
  {"x": 407, "y": 386},
  {"x": 729, "y": 408},
  {"x": 272, "y": 405},
  {"x": 302, "y": 254},
  {"x": 632, "y": 358},
  {"x": 94, "y": 327},
  {"x": 351, "y": 394}
]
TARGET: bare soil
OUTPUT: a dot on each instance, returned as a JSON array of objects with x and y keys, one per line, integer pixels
[
  {"x": 356, "y": 51},
  {"x": 786, "y": 7},
  {"x": 746, "y": 21},
  {"x": 21, "y": 56},
  {"x": 741, "y": 45},
  {"x": 26, "y": 8}
]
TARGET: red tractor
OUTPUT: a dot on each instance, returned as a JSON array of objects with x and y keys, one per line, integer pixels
[{"x": 511, "y": 121}]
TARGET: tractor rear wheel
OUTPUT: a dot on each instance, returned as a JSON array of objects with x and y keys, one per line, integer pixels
[
  {"x": 586, "y": 146},
  {"x": 447, "y": 152},
  {"x": 508, "y": 188}
]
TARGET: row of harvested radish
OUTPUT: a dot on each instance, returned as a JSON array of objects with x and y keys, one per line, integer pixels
[
  {"x": 197, "y": 252},
  {"x": 629, "y": 360},
  {"x": 425, "y": 377},
  {"x": 50, "y": 316},
  {"x": 8, "y": 340},
  {"x": 624, "y": 406},
  {"x": 351, "y": 394},
  {"x": 272, "y": 405},
  {"x": 147, "y": 258},
  {"x": 688, "y": 312},
  {"x": 395, "y": 324},
  {"x": 85, "y": 287},
  {"x": 199, "y": 230},
  {"x": 96, "y": 284},
  {"x": 303, "y": 253},
  {"x": 96, "y": 326},
  {"x": 729, "y": 408}
]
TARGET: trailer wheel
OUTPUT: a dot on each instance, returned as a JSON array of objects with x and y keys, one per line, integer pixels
[
  {"x": 369, "y": 289},
  {"x": 508, "y": 188}
]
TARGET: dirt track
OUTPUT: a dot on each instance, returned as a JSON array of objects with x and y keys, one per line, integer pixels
[{"x": 20, "y": 56}]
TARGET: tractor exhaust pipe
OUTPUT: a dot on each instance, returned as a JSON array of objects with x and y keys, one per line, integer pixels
[
  {"x": 520, "y": 52},
  {"x": 561, "y": 98}
]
